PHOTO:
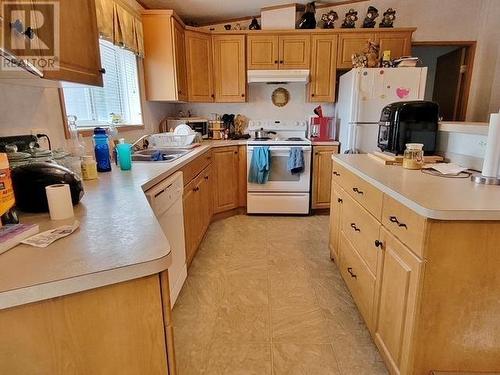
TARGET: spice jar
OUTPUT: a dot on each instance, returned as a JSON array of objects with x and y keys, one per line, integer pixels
[{"x": 414, "y": 156}]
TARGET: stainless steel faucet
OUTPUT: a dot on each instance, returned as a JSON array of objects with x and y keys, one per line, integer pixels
[{"x": 136, "y": 147}]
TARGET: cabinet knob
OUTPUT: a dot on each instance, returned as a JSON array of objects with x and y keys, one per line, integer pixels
[
  {"x": 378, "y": 243},
  {"x": 340, "y": 200},
  {"x": 316, "y": 153},
  {"x": 349, "y": 269},
  {"x": 312, "y": 95},
  {"x": 236, "y": 152},
  {"x": 356, "y": 229},
  {"x": 335, "y": 173},
  {"x": 242, "y": 95},
  {"x": 196, "y": 189},
  {"x": 206, "y": 177},
  {"x": 281, "y": 61},
  {"x": 213, "y": 96},
  {"x": 275, "y": 61},
  {"x": 102, "y": 71}
]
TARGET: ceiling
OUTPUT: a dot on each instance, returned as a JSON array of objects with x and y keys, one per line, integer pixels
[{"x": 203, "y": 11}]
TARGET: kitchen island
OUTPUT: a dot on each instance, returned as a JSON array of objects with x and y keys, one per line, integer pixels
[
  {"x": 98, "y": 300},
  {"x": 420, "y": 255}
]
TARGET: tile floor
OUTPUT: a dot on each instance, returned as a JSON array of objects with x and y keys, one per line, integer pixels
[{"x": 262, "y": 297}]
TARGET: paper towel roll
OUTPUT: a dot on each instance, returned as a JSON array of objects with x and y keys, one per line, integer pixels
[
  {"x": 491, "y": 163},
  {"x": 59, "y": 199}
]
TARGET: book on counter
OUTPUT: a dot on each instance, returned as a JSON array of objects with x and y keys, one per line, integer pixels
[{"x": 12, "y": 234}]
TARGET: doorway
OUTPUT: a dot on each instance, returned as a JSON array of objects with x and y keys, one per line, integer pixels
[{"x": 449, "y": 75}]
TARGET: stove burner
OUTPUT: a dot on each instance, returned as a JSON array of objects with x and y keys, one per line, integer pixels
[
  {"x": 294, "y": 139},
  {"x": 262, "y": 139}
]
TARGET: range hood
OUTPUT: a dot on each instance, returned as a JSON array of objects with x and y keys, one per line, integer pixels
[{"x": 278, "y": 76}]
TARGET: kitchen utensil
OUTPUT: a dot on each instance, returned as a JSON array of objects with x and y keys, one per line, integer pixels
[{"x": 263, "y": 134}]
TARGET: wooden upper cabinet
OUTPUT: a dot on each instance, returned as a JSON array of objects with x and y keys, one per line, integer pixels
[
  {"x": 199, "y": 67},
  {"x": 350, "y": 43},
  {"x": 397, "y": 303},
  {"x": 229, "y": 67},
  {"x": 399, "y": 43},
  {"x": 262, "y": 52},
  {"x": 322, "y": 175},
  {"x": 180, "y": 60},
  {"x": 294, "y": 51},
  {"x": 165, "y": 61},
  {"x": 79, "y": 59},
  {"x": 225, "y": 184},
  {"x": 323, "y": 68}
]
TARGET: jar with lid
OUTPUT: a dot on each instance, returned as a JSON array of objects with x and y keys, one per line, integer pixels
[{"x": 413, "y": 156}]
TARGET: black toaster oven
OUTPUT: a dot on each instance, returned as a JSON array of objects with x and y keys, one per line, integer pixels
[{"x": 408, "y": 122}]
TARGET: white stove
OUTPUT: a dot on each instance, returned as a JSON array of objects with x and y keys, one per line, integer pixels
[
  {"x": 287, "y": 132},
  {"x": 284, "y": 192}
]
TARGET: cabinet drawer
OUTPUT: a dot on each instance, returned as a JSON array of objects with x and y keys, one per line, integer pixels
[
  {"x": 405, "y": 224},
  {"x": 362, "y": 230},
  {"x": 358, "y": 278},
  {"x": 194, "y": 168},
  {"x": 363, "y": 192}
]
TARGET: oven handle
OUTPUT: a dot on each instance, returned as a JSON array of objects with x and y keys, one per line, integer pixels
[{"x": 282, "y": 148}]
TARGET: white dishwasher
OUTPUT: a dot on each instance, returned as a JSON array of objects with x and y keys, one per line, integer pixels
[{"x": 166, "y": 200}]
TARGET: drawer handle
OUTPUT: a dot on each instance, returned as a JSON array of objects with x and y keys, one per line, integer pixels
[
  {"x": 356, "y": 190},
  {"x": 395, "y": 220},
  {"x": 356, "y": 229},
  {"x": 378, "y": 243},
  {"x": 206, "y": 177},
  {"x": 349, "y": 269},
  {"x": 340, "y": 200},
  {"x": 196, "y": 189},
  {"x": 335, "y": 173}
]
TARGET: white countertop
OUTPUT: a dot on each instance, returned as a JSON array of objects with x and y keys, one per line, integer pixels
[
  {"x": 430, "y": 196},
  {"x": 119, "y": 238}
]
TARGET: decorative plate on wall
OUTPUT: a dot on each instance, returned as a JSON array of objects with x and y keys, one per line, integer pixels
[{"x": 280, "y": 97}]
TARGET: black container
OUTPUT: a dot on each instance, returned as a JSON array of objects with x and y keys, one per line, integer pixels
[{"x": 29, "y": 182}]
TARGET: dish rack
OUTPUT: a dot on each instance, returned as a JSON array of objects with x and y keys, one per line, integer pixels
[{"x": 170, "y": 140}]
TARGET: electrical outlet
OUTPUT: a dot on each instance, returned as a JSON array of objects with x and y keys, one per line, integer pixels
[{"x": 482, "y": 144}]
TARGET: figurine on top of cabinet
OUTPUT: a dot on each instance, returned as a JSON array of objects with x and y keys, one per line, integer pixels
[
  {"x": 308, "y": 19},
  {"x": 389, "y": 17},
  {"x": 328, "y": 19},
  {"x": 371, "y": 15},
  {"x": 350, "y": 19},
  {"x": 254, "y": 25},
  {"x": 368, "y": 58}
]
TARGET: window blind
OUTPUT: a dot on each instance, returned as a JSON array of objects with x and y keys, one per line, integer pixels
[{"x": 120, "y": 95}]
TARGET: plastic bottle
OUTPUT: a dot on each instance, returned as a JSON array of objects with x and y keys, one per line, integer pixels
[
  {"x": 101, "y": 150},
  {"x": 89, "y": 168}
]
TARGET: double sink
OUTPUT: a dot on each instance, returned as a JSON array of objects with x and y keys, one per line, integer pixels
[{"x": 165, "y": 155}]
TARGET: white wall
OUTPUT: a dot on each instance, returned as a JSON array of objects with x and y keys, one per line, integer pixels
[{"x": 260, "y": 106}]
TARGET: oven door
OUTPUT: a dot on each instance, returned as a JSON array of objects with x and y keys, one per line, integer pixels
[{"x": 280, "y": 179}]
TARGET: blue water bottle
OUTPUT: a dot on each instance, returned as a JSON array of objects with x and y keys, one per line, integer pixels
[{"x": 101, "y": 150}]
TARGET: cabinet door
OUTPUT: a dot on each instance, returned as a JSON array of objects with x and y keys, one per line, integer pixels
[
  {"x": 335, "y": 221},
  {"x": 79, "y": 59},
  {"x": 262, "y": 52},
  {"x": 323, "y": 68},
  {"x": 398, "y": 292},
  {"x": 225, "y": 164},
  {"x": 350, "y": 43},
  {"x": 206, "y": 195},
  {"x": 180, "y": 61},
  {"x": 192, "y": 221},
  {"x": 322, "y": 175},
  {"x": 199, "y": 67},
  {"x": 229, "y": 67},
  {"x": 399, "y": 43},
  {"x": 294, "y": 51}
]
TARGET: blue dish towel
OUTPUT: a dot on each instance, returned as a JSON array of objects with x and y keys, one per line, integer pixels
[
  {"x": 295, "y": 163},
  {"x": 260, "y": 165}
]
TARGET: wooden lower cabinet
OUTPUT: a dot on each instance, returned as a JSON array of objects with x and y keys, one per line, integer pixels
[
  {"x": 397, "y": 303},
  {"x": 226, "y": 165},
  {"x": 322, "y": 175},
  {"x": 197, "y": 202},
  {"x": 335, "y": 220},
  {"x": 116, "y": 329}
]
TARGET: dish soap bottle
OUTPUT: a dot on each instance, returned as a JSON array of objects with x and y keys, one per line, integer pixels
[{"x": 101, "y": 150}]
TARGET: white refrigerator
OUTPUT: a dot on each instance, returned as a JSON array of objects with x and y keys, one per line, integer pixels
[{"x": 363, "y": 92}]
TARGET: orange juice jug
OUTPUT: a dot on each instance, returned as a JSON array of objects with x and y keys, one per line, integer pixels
[{"x": 7, "y": 199}]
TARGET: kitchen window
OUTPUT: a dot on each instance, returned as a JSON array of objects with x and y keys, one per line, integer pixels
[{"x": 120, "y": 97}]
